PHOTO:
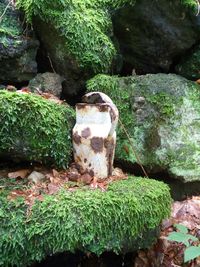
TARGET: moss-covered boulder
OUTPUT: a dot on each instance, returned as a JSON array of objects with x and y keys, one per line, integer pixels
[
  {"x": 189, "y": 65},
  {"x": 77, "y": 36},
  {"x": 153, "y": 34},
  {"x": 17, "y": 51},
  {"x": 123, "y": 218},
  {"x": 35, "y": 129},
  {"x": 161, "y": 114}
]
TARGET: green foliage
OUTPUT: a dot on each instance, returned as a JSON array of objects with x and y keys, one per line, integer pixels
[
  {"x": 35, "y": 129},
  {"x": 89, "y": 220},
  {"x": 191, "y": 252},
  {"x": 85, "y": 24},
  {"x": 193, "y": 4}
]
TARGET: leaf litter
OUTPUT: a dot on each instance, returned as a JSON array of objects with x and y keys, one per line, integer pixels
[
  {"x": 170, "y": 254},
  {"x": 36, "y": 182}
]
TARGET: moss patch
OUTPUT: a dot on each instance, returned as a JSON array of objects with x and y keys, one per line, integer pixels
[
  {"x": 10, "y": 28},
  {"x": 88, "y": 220},
  {"x": 35, "y": 129}
]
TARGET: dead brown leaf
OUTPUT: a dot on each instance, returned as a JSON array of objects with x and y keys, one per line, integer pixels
[{"x": 19, "y": 174}]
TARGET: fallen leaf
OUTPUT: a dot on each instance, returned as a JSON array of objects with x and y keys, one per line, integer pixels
[{"x": 19, "y": 174}]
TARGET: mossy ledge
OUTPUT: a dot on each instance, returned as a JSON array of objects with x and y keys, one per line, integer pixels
[
  {"x": 121, "y": 219},
  {"x": 35, "y": 129}
]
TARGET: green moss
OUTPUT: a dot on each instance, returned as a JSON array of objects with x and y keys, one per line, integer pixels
[
  {"x": 10, "y": 26},
  {"x": 117, "y": 89},
  {"x": 88, "y": 220},
  {"x": 122, "y": 91},
  {"x": 193, "y": 4},
  {"x": 163, "y": 102},
  {"x": 35, "y": 129},
  {"x": 86, "y": 26}
]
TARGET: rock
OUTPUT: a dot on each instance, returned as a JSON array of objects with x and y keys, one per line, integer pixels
[
  {"x": 77, "y": 38},
  {"x": 17, "y": 51},
  {"x": 35, "y": 129},
  {"x": 124, "y": 218},
  {"x": 189, "y": 66},
  {"x": 153, "y": 34},
  {"x": 47, "y": 82},
  {"x": 2, "y": 87},
  {"x": 86, "y": 178},
  {"x": 36, "y": 177},
  {"x": 63, "y": 62},
  {"x": 73, "y": 176},
  {"x": 161, "y": 114}
]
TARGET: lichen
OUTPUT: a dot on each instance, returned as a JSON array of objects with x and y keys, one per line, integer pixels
[
  {"x": 163, "y": 128},
  {"x": 120, "y": 219},
  {"x": 35, "y": 129}
]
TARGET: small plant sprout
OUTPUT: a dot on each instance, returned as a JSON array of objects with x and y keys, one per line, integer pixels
[{"x": 181, "y": 236}]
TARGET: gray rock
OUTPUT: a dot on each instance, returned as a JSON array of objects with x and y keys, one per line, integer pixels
[
  {"x": 17, "y": 51},
  {"x": 152, "y": 34},
  {"x": 48, "y": 83},
  {"x": 36, "y": 177},
  {"x": 164, "y": 127}
]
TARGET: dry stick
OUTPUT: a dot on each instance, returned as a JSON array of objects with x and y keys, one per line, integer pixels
[
  {"x": 51, "y": 63},
  {"x": 198, "y": 7},
  {"x": 4, "y": 12},
  {"x": 133, "y": 149}
]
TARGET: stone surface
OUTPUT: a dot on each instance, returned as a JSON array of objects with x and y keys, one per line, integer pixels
[
  {"x": 47, "y": 83},
  {"x": 161, "y": 113},
  {"x": 153, "y": 34},
  {"x": 17, "y": 51},
  {"x": 189, "y": 65},
  {"x": 36, "y": 177}
]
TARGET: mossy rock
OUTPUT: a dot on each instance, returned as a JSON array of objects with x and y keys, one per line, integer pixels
[
  {"x": 121, "y": 219},
  {"x": 77, "y": 36},
  {"x": 35, "y": 129},
  {"x": 189, "y": 65},
  {"x": 17, "y": 53},
  {"x": 153, "y": 34},
  {"x": 161, "y": 114}
]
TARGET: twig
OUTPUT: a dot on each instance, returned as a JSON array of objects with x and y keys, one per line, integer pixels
[
  {"x": 133, "y": 149},
  {"x": 51, "y": 63},
  {"x": 198, "y": 7},
  {"x": 4, "y": 12}
]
